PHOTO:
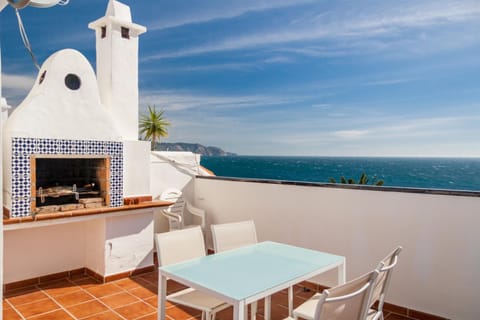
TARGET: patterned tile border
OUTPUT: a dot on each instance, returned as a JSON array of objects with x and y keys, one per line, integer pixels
[{"x": 23, "y": 148}]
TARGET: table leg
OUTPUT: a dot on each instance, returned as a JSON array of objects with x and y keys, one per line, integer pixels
[
  {"x": 342, "y": 273},
  {"x": 162, "y": 294},
  {"x": 290, "y": 301},
  {"x": 238, "y": 311},
  {"x": 267, "y": 315}
]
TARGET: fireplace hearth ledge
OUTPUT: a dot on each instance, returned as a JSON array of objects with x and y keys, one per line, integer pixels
[{"x": 77, "y": 215}]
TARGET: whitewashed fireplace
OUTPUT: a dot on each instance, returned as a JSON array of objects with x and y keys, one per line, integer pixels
[
  {"x": 27, "y": 151},
  {"x": 59, "y": 121},
  {"x": 73, "y": 113},
  {"x": 80, "y": 129}
]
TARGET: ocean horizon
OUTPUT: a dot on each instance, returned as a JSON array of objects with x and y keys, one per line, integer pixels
[{"x": 409, "y": 172}]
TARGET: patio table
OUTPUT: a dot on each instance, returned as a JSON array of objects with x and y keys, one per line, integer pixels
[{"x": 244, "y": 275}]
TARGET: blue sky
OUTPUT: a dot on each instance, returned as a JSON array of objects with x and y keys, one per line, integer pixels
[{"x": 288, "y": 77}]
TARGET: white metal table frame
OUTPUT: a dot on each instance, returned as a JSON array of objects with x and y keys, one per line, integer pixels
[{"x": 245, "y": 275}]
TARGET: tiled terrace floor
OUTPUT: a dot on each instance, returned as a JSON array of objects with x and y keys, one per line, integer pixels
[{"x": 131, "y": 298}]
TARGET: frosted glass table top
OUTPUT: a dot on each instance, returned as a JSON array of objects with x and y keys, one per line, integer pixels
[{"x": 250, "y": 270}]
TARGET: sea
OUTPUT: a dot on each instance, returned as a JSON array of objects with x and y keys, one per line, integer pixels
[{"x": 424, "y": 173}]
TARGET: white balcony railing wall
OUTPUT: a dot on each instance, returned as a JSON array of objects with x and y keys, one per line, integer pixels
[{"x": 438, "y": 272}]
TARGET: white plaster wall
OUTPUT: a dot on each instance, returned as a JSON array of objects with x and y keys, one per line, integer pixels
[
  {"x": 106, "y": 245},
  {"x": 30, "y": 253},
  {"x": 171, "y": 170},
  {"x": 136, "y": 168},
  {"x": 129, "y": 242},
  {"x": 438, "y": 269},
  {"x": 94, "y": 249}
]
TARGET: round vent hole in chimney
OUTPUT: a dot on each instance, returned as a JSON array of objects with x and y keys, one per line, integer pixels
[{"x": 72, "y": 81}]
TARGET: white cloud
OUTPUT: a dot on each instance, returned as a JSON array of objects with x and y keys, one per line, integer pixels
[
  {"x": 17, "y": 82},
  {"x": 177, "y": 100},
  {"x": 213, "y": 10},
  {"x": 357, "y": 23},
  {"x": 16, "y": 87},
  {"x": 350, "y": 134}
]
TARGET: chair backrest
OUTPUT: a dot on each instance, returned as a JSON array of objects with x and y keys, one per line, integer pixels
[
  {"x": 348, "y": 301},
  {"x": 385, "y": 268},
  {"x": 174, "y": 212},
  {"x": 179, "y": 245},
  {"x": 229, "y": 236}
]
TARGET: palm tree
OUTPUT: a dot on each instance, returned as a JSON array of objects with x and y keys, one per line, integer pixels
[
  {"x": 153, "y": 125},
  {"x": 363, "y": 180}
]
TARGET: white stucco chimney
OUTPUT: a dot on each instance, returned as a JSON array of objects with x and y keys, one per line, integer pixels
[{"x": 117, "y": 66}]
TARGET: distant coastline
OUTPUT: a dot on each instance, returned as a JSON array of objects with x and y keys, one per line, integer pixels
[{"x": 193, "y": 147}]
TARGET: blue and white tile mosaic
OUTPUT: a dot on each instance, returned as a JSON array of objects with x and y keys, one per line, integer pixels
[{"x": 23, "y": 148}]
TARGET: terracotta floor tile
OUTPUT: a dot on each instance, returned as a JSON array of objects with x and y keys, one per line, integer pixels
[
  {"x": 6, "y": 305},
  {"x": 127, "y": 283},
  {"x": 86, "y": 309},
  {"x": 144, "y": 282},
  {"x": 10, "y": 314},
  {"x": 59, "y": 288},
  {"x": 393, "y": 316},
  {"x": 86, "y": 282},
  {"x": 28, "y": 297},
  {"x": 135, "y": 310},
  {"x": 173, "y": 286},
  {"x": 119, "y": 300},
  {"x": 153, "y": 301},
  {"x": 150, "y": 277},
  {"x": 126, "y": 299},
  {"x": 74, "y": 298},
  {"x": 152, "y": 316},
  {"x": 103, "y": 290},
  {"x": 182, "y": 313},
  {"x": 109, "y": 315},
  {"x": 143, "y": 292},
  {"x": 37, "y": 307},
  {"x": 20, "y": 291},
  {"x": 55, "y": 315},
  {"x": 305, "y": 292},
  {"x": 278, "y": 312},
  {"x": 225, "y": 314}
]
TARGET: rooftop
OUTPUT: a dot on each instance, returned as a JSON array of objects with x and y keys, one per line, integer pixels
[{"x": 83, "y": 297}]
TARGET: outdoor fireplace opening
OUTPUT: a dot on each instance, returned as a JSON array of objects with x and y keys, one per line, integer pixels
[{"x": 69, "y": 183}]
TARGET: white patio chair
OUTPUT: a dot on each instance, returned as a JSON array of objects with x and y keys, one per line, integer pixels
[
  {"x": 182, "y": 245},
  {"x": 385, "y": 269},
  {"x": 349, "y": 301},
  {"x": 234, "y": 235},
  {"x": 228, "y": 236},
  {"x": 175, "y": 212}
]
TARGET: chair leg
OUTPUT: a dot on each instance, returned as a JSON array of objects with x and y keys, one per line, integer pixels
[
  {"x": 203, "y": 315},
  {"x": 253, "y": 310},
  {"x": 290, "y": 301}
]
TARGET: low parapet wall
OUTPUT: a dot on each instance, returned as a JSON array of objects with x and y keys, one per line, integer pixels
[{"x": 438, "y": 268}]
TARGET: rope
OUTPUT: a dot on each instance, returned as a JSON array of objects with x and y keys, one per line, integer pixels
[{"x": 25, "y": 40}]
